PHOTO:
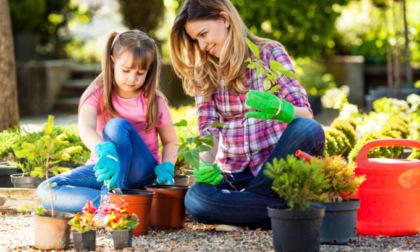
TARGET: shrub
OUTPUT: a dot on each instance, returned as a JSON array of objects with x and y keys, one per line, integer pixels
[
  {"x": 342, "y": 145},
  {"x": 341, "y": 176},
  {"x": 345, "y": 126},
  {"x": 297, "y": 181}
]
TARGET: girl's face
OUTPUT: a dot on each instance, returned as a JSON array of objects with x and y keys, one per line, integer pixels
[
  {"x": 129, "y": 79},
  {"x": 210, "y": 34}
]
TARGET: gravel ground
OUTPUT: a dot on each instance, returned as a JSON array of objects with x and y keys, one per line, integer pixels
[{"x": 16, "y": 234}]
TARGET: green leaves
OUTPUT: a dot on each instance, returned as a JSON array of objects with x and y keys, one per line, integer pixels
[
  {"x": 190, "y": 148},
  {"x": 271, "y": 72},
  {"x": 297, "y": 181}
]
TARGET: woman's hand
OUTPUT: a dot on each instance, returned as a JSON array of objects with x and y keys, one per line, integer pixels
[
  {"x": 165, "y": 173},
  {"x": 209, "y": 174},
  {"x": 269, "y": 106}
]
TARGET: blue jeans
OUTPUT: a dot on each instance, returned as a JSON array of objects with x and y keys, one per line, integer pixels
[
  {"x": 75, "y": 187},
  {"x": 247, "y": 206}
]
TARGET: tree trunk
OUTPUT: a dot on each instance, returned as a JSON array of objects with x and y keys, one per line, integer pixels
[
  {"x": 9, "y": 112},
  {"x": 408, "y": 70}
]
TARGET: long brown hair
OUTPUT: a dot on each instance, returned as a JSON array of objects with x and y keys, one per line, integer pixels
[
  {"x": 145, "y": 56},
  {"x": 201, "y": 71}
]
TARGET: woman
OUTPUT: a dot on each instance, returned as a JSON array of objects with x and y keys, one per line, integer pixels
[{"x": 208, "y": 50}]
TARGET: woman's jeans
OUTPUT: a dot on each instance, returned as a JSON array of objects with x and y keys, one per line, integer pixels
[
  {"x": 75, "y": 187},
  {"x": 247, "y": 206}
]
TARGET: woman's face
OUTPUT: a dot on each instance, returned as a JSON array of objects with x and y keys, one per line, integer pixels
[
  {"x": 210, "y": 34},
  {"x": 129, "y": 79}
]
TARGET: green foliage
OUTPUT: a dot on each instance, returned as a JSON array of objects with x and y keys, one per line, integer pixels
[
  {"x": 190, "y": 147},
  {"x": 85, "y": 222},
  {"x": 142, "y": 14},
  {"x": 313, "y": 77},
  {"x": 348, "y": 127},
  {"x": 13, "y": 139},
  {"x": 270, "y": 73},
  {"x": 341, "y": 176},
  {"x": 336, "y": 143},
  {"x": 297, "y": 181},
  {"x": 48, "y": 19},
  {"x": 39, "y": 211},
  {"x": 306, "y": 28},
  {"x": 415, "y": 154},
  {"x": 367, "y": 34},
  {"x": 47, "y": 152},
  {"x": 390, "y": 106}
]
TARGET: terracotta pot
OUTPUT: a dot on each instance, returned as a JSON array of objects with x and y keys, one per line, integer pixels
[
  {"x": 139, "y": 202},
  {"x": 168, "y": 209},
  {"x": 52, "y": 233}
]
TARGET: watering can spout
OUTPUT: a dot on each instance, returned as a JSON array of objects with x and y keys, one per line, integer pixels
[{"x": 304, "y": 156}]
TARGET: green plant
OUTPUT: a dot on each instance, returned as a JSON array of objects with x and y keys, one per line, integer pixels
[
  {"x": 346, "y": 126},
  {"x": 297, "y": 181},
  {"x": 117, "y": 217},
  {"x": 336, "y": 142},
  {"x": 415, "y": 154},
  {"x": 341, "y": 176},
  {"x": 46, "y": 153},
  {"x": 84, "y": 223},
  {"x": 190, "y": 147},
  {"x": 270, "y": 73}
]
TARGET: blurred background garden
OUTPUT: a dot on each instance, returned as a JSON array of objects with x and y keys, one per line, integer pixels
[{"x": 359, "y": 60}]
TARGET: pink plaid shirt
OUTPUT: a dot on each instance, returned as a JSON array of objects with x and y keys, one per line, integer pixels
[{"x": 250, "y": 143}]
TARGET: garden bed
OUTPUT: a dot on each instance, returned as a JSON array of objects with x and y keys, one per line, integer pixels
[{"x": 17, "y": 234}]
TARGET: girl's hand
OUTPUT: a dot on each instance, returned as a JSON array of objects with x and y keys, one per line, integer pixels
[
  {"x": 269, "y": 106},
  {"x": 108, "y": 166},
  {"x": 165, "y": 173}
]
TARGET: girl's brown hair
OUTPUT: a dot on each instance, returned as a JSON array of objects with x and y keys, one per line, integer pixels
[
  {"x": 145, "y": 56},
  {"x": 201, "y": 71}
]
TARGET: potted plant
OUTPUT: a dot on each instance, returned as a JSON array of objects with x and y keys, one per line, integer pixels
[
  {"x": 339, "y": 222},
  {"x": 297, "y": 225},
  {"x": 138, "y": 202},
  {"x": 84, "y": 235},
  {"x": 51, "y": 227},
  {"x": 33, "y": 156},
  {"x": 120, "y": 222}
]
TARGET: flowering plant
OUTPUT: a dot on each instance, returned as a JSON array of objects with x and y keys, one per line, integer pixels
[
  {"x": 116, "y": 216},
  {"x": 84, "y": 223}
]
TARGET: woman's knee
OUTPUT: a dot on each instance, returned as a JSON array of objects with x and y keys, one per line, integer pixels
[{"x": 195, "y": 202}]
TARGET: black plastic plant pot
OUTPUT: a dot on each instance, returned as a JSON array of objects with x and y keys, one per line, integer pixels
[
  {"x": 84, "y": 241},
  {"x": 339, "y": 223},
  {"x": 295, "y": 230},
  {"x": 25, "y": 181},
  {"x": 122, "y": 238}
]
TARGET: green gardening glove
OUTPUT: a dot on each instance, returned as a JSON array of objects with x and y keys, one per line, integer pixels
[
  {"x": 209, "y": 174},
  {"x": 269, "y": 106}
]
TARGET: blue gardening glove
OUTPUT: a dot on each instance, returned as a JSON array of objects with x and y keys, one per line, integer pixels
[
  {"x": 269, "y": 106},
  {"x": 165, "y": 173},
  {"x": 108, "y": 167},
  {"x": 209, "y": 174}
]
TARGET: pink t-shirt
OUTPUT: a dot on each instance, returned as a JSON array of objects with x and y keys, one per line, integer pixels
[{"x": 134, "y": 111}]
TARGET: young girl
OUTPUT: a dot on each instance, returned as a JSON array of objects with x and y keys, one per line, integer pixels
[
  {"x": 121, "y": 115},
  {"x": 208, "y": 49}
]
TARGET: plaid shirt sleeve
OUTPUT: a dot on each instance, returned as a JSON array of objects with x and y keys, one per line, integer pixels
[
  {"x": 206, "y": 115},
  {"x": 290, "y": 90}
]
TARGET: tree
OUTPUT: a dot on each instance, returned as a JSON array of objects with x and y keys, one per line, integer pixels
[{"x": 9, "y": 113}]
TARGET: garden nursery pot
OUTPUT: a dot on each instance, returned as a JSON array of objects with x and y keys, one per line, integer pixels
[
  {"x": 122, "y": 238},
  {"x": 139, "y": 202},
  {"x": 390, "y": 196},
  {"x": 339, "y": 222},
  {"x": 84, "y": 241},
  {"x": 52, "y": 232},
  {"x": 19, "y": 180},
  {"x": 168, "y": 209},
  {"x": 295, "y": 230},
  {"x": 5, "y": 172}
]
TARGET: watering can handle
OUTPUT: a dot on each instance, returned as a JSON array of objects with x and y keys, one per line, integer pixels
[{"x": 362, "y": 156}]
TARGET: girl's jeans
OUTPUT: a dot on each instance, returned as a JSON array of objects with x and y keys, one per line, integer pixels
[
  {"x": 247, "y": 206},
  {"x": 75, "y": 187}
]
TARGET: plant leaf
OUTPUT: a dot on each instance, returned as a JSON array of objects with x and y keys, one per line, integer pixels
[
  {"x": 276, "y": 66},
  {"x": 253, "y": 47}
]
